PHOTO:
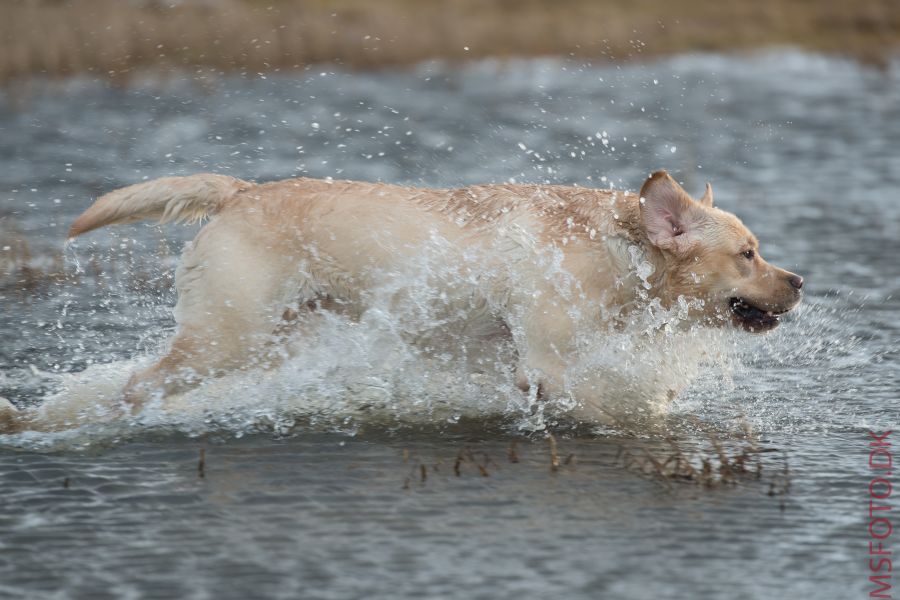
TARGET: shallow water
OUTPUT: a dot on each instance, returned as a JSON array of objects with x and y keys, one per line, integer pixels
[{"x": 312, "y": 482}]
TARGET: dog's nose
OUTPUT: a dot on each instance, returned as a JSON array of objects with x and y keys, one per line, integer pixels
[{"x": 796, "y": 281}]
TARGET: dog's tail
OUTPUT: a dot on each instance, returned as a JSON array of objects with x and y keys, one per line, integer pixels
[{"x": 167, "y": 199}]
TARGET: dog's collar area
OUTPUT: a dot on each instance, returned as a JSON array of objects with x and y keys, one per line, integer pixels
[{"x": 753, "y": 318}]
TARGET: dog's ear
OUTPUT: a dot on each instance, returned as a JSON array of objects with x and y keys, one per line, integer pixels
[
  {"x": 707, "y": 199},
  {"x": 670, "y": 216}
]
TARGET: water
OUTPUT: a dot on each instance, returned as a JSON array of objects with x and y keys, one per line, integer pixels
[{"x": 312, "y": 481}]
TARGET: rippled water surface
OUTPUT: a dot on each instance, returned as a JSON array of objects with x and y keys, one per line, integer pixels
[{"x": 364, "y": 471}]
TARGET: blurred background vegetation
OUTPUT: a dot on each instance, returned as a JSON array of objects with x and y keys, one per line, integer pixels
[{"x": 117, "y": 38}]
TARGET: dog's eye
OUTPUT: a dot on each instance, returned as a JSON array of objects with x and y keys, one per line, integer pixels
[{"x": 748, "y": 254}]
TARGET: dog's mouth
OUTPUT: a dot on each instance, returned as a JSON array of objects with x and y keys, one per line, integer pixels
[{"x": 754, "y": 319}]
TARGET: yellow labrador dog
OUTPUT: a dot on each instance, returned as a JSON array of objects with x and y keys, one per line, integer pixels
[{"x": 545, "y": 260}]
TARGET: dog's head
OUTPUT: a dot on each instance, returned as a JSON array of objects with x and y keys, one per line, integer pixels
[{"x": 710, "y": 255}]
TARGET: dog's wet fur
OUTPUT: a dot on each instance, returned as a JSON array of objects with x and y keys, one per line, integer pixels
[{"x": 278, "y": 245}]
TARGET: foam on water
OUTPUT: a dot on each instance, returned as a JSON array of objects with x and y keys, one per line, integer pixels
[{"x": 344, "y": 374}]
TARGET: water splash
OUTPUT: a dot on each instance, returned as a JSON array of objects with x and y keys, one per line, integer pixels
[{"x": 429, "y": 348}]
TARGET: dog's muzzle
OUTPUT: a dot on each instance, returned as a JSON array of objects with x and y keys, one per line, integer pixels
[{"x": 754, "y": 319}]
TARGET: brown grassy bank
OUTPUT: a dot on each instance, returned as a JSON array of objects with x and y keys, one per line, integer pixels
[{"x": 115, "y": 38}]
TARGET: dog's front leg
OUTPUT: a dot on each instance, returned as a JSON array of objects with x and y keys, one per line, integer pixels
[{"x": 545, "y": 349}]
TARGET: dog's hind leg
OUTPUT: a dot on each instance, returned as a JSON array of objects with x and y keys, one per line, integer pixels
[{"x": 232, "y": 292}]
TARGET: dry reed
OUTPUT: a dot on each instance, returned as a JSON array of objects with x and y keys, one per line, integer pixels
[
  {"x": 714, "y": 465},
  {"x": 117, "y": 38}
]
